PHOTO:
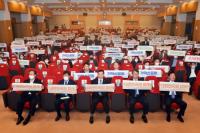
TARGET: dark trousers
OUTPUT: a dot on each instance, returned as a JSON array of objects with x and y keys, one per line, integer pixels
[
  {"x": 103, "y": 99},
  {"x": 179, "y": 101},
  {"x": 32, "y": 99},
  {"x": 134, "y": 100},
  {"x": 58, "y": 102},
  {"x": 191, "y": 80}
]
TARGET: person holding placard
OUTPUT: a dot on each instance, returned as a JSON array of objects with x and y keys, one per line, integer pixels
[
  {"x": 31, "y": 97},
  {"x": 64, "y": 98},
  {"x": 100, "y": 97},
  {"x": 174, "y": 97},
  {"x": 86, "y": 68},
  {"x": 137, "y": 96}
]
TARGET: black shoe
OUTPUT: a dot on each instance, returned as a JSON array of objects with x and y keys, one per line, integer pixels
[
  {"x": 144, "y": 118},
  {"x": 57, "y": 118},
  {"x": 168, "y": 118},
  {"x": 26, "y": 121},
  {"x": 131, "y": 119},
  {"x": 19, "y": 120},
  {"x": 91, "y": 120},
  {"x": 180, "y": 118},
  {"x": 67, "y": 118},
  {"x": 107, "y": 119}
]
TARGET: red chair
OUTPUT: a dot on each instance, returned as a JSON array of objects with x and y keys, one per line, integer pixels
[
  {"x": 82, "y": 97},
  {"x": 153, "y": 97},
  {"x": 180, "y": 71},
  {"x": 196, "y": 87},
  {"x": 14, "y": 67},
  {"x": 41, "y": 74},
  {"x": 103, "y": 66},
  {"x": 118, "y": 97},
  {"x": 126, "y": 66}
]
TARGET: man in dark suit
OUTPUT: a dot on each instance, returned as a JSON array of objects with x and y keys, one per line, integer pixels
[
  {"x": 29, "y": 96},
  {"x": 64, "y": 98},
  {"x": 100, "y": 97},
  {"x": 137, "y": 96},
  {"x": 145, "y": 42},
  {"x": 86, "y": 68},
  {"x": 174, "y": 97}
]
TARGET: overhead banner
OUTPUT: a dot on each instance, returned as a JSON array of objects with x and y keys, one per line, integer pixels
[
  {"x": 91, "y": 75},
  {"x": 136, "y": 53},
  {"x": 184, "y": 47},
  {"x": 62, "y": 89},
  {"x": 140, "y": 85},
  {"x": 145, "y": 48},
  {"x": 174, "y": 86},
  {"x": 169, "y": 41},
  {"x": 112, "y": 73},
  {"x": 26, "y": 87},
  {"x": 145, "y": 73},
  {"x": 68, "y": 55},
  {"x": 113, "y": 50},
  {"x": 99, "y": 88},
  {"x": 192, "y": 58},
  {"x": 38, "y": 52},
  {"x": 176, "y": 53}
]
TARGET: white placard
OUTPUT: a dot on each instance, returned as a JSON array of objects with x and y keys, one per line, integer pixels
[
  {"x": 192, "y": 58},
  {"x": 62, "y": 89},
  {"x": 169, "y": 41},
  {"x": 83, "y": 48},
  {"x": 68, "y": 55},
  {"x": 197, "y": 46},
  {"x": 176, "y": 53},
  {"x": 24, "y": 62},
  {"x": 140, "y": 85},
  {"x": 32, "y": 43},
  {"x": 99, "y": 87},
  {"x": 174, "y": 86},
  {"x": 94, "y": 48},
  {"x": 145, "y": 73},
  {"x": 118, "y": 45},
  {"x": 113, "y": 50},
  {"x": 133, "y": 42},
  {"x": 47, "y": 42},
  {"x": 19, "y": 49},
  {"x": 127, "y": 46},
  {"x": 112, "y": 73},
  {"x": 114, "y": 55},
  {"x": 38, "y": 52},
  {"x": 91, "y": 75},
  {"x": 184, "y": 47},
  {"x": 154, "y": 67},
  {"x": 145, "y": 48},
  {"x": 154, "y": 43},
  {"x": 58, "y": 44},
  {"x": 136, "y": 53},
  {"x": 26, "y": 87},
  {"x": 190, "y": 42},
  {"x": 163, "y": 48},
  {"x": 3, "y": 45},
  {"x": 6, "y": 54}
]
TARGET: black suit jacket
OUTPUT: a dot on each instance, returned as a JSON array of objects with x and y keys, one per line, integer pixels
[
  {"x": 95, "y": 81},
  {"x": 31, "y": 93},
  {"x": 70, "y": 82}
]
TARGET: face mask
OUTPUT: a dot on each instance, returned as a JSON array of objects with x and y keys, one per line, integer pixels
[
  {"x": 21, "y": 57},
  {"x": 136, "y": 60},
  {"x": 46, "y": 61},
  {"x": 14, "y": 62},
  {"x": 157, "y": 64},
  {"x": 31, "y": 77},
  {"x": 66, "y": 78}
]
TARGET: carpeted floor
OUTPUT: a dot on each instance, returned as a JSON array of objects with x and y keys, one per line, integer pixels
[{"x": 79, "y": 123}]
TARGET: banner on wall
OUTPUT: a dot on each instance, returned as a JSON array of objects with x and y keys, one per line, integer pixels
[{"x": 174, "y": 86}]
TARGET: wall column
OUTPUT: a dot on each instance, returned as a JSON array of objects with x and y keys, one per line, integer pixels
[
  {"x": 41, "y": 24},
  {"x": 166, "y": 28},
  {"x": 180, "y": 24},
  {"x": 26, "y": 25},
  {"x": 6, "y": 35},
  {"x": 196, "y": 34}
]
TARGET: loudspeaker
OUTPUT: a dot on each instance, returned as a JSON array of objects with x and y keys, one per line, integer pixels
[{"x": 85, "y": 14}]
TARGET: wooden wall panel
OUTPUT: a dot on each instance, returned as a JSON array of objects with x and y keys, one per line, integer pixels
[
  {"x": 36, "y": 10},
  {"x": 189, "y": 7},
  {"x": 196, "y": 34},
  {"x": 172, "y": 10},
  {"x": 180, "y": 28},
  {"x": 1, "y": 5},
  {"x": 14, "y": 6},
  {"x": 6, "y": 36},
  {"x": 165, "y": 30}
]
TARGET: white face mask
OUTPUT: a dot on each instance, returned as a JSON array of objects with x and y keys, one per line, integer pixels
[
  {"x": 136, "y": 60},
  {"x": 66, "y": 78},
  {"x": 31, "y": 77},
  {"x": 157, "y": 64},
  {"x": 14, "y": 62},
  {"x": 46, "y": 61}
]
